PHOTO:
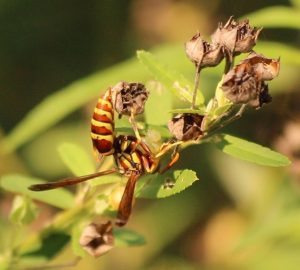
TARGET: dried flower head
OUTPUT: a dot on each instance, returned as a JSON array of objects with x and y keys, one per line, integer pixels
[
  {"x": 202, "y": 53},
  {"x": 265, "y": 69},
  {"x": 97, "y": 239},
  {"x": 129, "y": 98},
  {"x": 236, "y": 37},
  {"x": 241, "y": 85},
  {"x": 186, "y": 126}
]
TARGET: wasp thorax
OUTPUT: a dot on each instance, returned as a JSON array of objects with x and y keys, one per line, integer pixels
[
  {"x": 186, "y": 126},
  {"x": 97, "y": 239},
  {"x": 129, "y": 98}
]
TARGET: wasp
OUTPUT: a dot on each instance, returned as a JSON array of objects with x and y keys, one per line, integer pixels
[{"x": 132, "y": 156}]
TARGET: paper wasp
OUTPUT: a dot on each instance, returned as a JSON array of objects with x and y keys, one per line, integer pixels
[{"x": 132, "y": 156}]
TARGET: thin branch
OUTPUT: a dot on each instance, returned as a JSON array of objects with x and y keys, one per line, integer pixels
[
  {"x": 227, "y": 122},
  {"x": 197, "y": 79}
]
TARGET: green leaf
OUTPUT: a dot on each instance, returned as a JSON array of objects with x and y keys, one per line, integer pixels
[
  {"x": 164, "y": 185},
  {"x": 61, "y": 198},
  {"x": 249, "y": 151},
  {"x": 106, "y": 179},
  {"x": 158, "y": 104},
  {"x": 75, "y": 236},
  {"x": 163, "y": 130},
  {"x": 188, "y": 110},
  {"x": 50, "y": 245},
  {"x": 276, "y": 16},
  {"x": 76, "y": 159},
  {"x": 23, "y": 211},
  {"x": 288, "y": 55},
  {"x": 125, "y": 238},
  {"x": 173, "y": 81}
]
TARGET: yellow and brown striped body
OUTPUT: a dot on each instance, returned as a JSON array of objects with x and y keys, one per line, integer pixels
[
  {"x": 102, "y": 126},
  {"x": 131, "y": 156}
]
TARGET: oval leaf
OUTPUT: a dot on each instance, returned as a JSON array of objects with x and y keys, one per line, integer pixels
[
  {"x": 23, "y": 211},
  {"x": 61, "y": 198},
  {"x": 286, "y": 17},
  {"x": 158, "y": 104},
  {"x": 76, "y": 159},
  {"x": 125, "y": 238},
  {"x": 249, "y": 151},
  {"x": 173, "y": 81},
  {"x": 75, "y": 237},
  {"x": 106, "y": 179},
  {"x": 165, "y": 185}
]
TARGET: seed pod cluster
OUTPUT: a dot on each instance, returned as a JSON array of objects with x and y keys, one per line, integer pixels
[
  {"x": 233, "y": 38},
  {"x": 245, "y": 83},
  {"x": 202, "y": 53},
  {"x": 236, "y": 37},
  {"x": 186, "y": 126},
  {"x": 129, "y": 98},
  {"x": 97, "y": 239}
]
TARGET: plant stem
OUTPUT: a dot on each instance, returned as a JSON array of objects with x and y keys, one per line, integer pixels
[
  {"x": 197, "y": 78},
  {"x": 227, "y": 122},
  {"x": 229, "y": 59}
]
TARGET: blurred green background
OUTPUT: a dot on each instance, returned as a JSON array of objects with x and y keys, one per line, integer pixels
[{"x": 239, "y": 215}]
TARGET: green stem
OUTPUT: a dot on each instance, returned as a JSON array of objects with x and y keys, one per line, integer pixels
[
  {"x": 197, "y": 79},
  {"x": 226, "y": 122}
]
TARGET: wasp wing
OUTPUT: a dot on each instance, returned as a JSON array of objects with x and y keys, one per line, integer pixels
[
  {"x": 125, "y": 206},
  {"x": 69, "y": 181}
]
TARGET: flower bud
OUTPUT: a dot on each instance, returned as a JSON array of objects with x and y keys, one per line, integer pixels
[
  {"x": 97, "y": 239},
  {"x": 186, "y": 126},
  {"x": 129, "y": 97},
  {"x": 236, "y": 37},
  {"x": 202, "y": 53}
]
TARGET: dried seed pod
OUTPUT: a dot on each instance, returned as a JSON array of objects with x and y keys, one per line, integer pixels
[
  {"x": 97, "y": 239},
  {"x": 236, "y": 37},
  {"x": 241, "y": 86},
  {"x": 202, "y": 53},
  {"x": 265, "y": 69},
  {"x": 186, "y": 126},
  {"x": 129, "y": 97}
]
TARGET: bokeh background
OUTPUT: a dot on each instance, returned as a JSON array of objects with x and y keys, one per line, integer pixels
[{"x": 239, "y": 215}]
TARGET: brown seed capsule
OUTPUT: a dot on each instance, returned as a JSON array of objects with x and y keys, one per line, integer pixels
[
  {"x": 186, "y": 126},
  {"x": 97, "y": 239},
  {"x": 236, "y": 37},
  {"x": 129, "y": 97},
  {"x": 265, "y": 69},
  {"x": 241, "y": 86},
  {"x": 202, "y": 53}
]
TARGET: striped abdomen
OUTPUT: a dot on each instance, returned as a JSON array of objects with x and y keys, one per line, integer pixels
[{"x": 102, "y": 125}]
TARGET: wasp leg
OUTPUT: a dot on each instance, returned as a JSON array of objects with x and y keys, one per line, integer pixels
[
  {"x": 174, "y": 158},
  {"x": 125, "y": 206},
  {"x": 167, "y": 147}
]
